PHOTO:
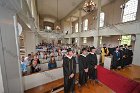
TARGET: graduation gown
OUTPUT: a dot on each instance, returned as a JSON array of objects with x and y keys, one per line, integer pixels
[
  {"x": 121, "y": 58},
  {"x": 83, "y": 76},
  {"x": 92, "y": 61},
  {"x": 130, "y": 56},
  {"x": 125, "y": 58},
  {"x": 69, "y": 67},
  {"x": 116, "y": 59}
]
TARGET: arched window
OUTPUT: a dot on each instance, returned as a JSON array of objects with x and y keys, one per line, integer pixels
[
  {"x": 129, "y": 10},
  {"x": 102, "y": 17},
  {"x": 85, "y": 25},
  {"x": 76, "y": 27}
]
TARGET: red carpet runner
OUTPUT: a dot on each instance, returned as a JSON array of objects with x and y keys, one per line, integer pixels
[{"x": 116, "y": 82}]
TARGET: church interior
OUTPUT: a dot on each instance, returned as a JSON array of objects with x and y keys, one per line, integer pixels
[{"x": 69, "y": 46}]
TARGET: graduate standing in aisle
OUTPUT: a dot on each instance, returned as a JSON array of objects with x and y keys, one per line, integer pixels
[
  {"x": 116, "y": 58},
  {"x": 125, "y": 58},
  {"x": 121, "y": 56},
  {"x": 69, "y": 69},
  {"x": 92, "y": 65},
  {"x": 130, "y": 55},
  {"x": 83, "y": 68}
]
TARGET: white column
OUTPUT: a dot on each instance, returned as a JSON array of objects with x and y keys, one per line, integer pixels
[
  {"x": 80, "y": 28},
  {"x": 96, "y": 38},
  {"x": 136, "y": 58},
  {"x": 1, "y": 82},
  {"x": 29, "y": 42},
  {"x": 70, "y": 41},
  {"x": 9, "y": 53}
]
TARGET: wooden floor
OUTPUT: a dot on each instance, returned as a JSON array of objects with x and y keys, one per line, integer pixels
[
  {"x": 92, "y": 88},
  {"x": 132, "y": 72}
]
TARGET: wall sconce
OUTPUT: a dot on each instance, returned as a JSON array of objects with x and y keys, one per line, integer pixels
[{"x": 119, "y": 39}]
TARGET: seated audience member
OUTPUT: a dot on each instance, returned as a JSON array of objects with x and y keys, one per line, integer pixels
[
  {"x": 28, "y": 59},
  {"x": 52, "y": 63},
  {"x": 35, "y": 67},
  {"x": 116, "y": 58},
  {"x": 23, "y": 66},
  {"x": 32, "y": 55},
  {"x": 59, "y": 55},
  {"x": 45, "y": 56}
]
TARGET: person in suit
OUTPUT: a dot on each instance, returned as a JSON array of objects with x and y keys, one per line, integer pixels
[
  {"x": 116, "y": 58},
  {"x": 69, "y": 70},
  {"x": 83, "y": 68},
  {"x": 92, "y": 65}
]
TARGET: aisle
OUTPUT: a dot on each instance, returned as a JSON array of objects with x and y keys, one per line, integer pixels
[{"x": 97, "y": 88}]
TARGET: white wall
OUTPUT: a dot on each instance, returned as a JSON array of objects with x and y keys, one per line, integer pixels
[
  {"x": 113, "y": 40},
  {"x": 67, "y": 27},
  {"x": 136, "y": 58}
]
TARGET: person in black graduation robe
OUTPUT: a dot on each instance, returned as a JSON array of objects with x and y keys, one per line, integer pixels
[
  {"x": 121, "y": 56},
  {"x": 83, "y": 67},
  {"x": 116, "y": 58},
  {"x": 92, "y": 64},
  {"x": 130, "y": 55},
  {"x": 125, "y": 58},
  {"x": 69, "y": 70}
]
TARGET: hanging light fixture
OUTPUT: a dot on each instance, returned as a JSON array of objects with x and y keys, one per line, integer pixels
[
  {"x": 57, "y": 26},
  {"x": 89, "y": 6}
]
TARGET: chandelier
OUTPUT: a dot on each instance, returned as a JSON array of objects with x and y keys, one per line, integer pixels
[
  {"x": 89, "y": 6},
  {"x": 57, "y": 25}
]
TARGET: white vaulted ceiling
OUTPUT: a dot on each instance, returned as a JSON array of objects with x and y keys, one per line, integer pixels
[{"x": 49, "y": 7}]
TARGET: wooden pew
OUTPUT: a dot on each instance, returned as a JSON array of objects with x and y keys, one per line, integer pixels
[{"x": 49, "y": 87}]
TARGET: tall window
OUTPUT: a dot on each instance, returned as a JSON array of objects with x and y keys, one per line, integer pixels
[
  {"x": 84, "y": 40},
  {"x": 76, "y": 27},
  {"x": 102, "y": 17},
  {"x": 76, "y": 40},
  {"x": 130, "y": 11},
  {"x": 85, "y": 25},
  {"x": 126, "y": 40}
]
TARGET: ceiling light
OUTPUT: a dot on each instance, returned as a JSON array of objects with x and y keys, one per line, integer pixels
[
  {"x": 89, "y": 6},
  {"x": 57, "y": 25}
]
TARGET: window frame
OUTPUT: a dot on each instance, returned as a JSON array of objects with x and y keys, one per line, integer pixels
[
  {"x": 85, "y": 25},
  {"x": 129, "y": 11}
]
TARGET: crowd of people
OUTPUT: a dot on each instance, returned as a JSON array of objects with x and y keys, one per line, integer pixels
[
  {"x": 85, "y": 57},
  {"x": 87, "y": 60},
  {"x": 121, "y": 55}
]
